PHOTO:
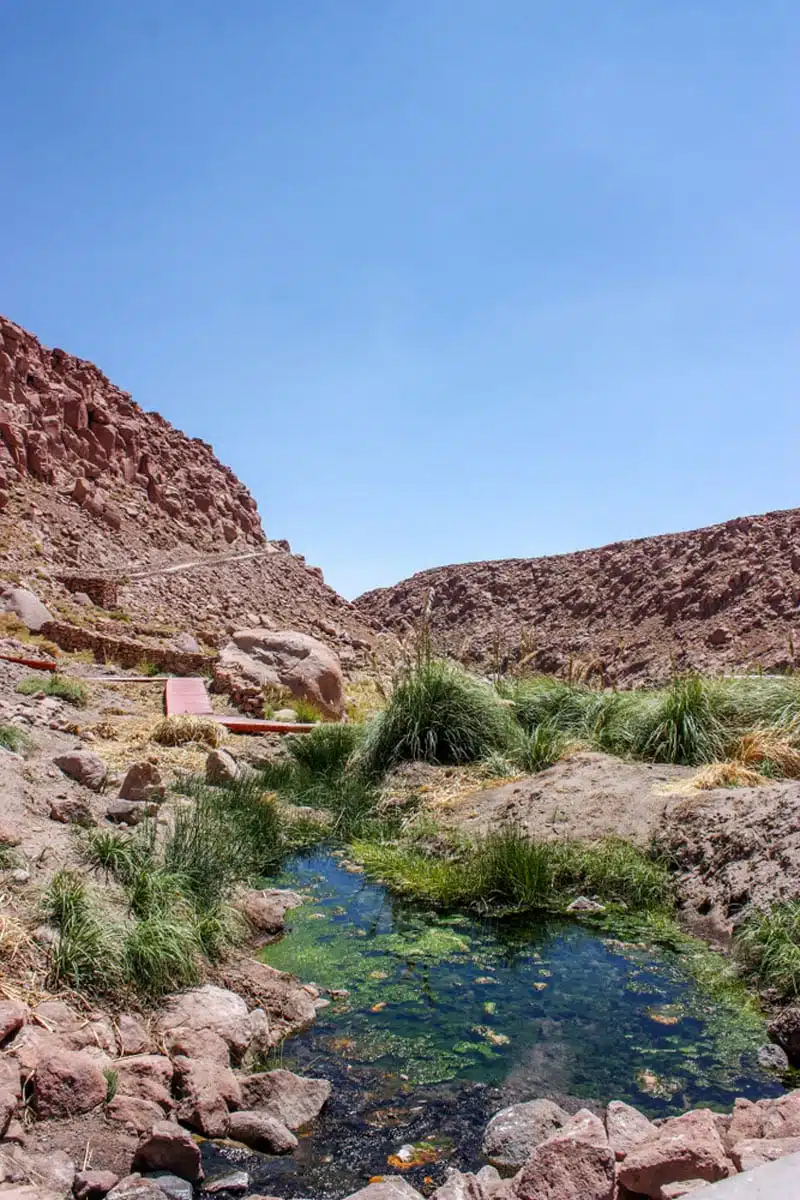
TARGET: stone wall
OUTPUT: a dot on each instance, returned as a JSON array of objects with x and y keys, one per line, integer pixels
[
  {"x": 126, "y": 651},
  {"x": 102, "y": 590}
]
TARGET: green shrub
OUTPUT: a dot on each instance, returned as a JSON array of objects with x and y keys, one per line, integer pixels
[
  {"x": 71, "y": 690},
  {"x": 438, "y": 714},
  {"x": 768, "y": 943},
  {"x": 116, "y": 854}
]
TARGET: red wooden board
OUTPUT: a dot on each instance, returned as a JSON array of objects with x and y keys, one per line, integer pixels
[
  {"x": 256, "y": 725},
  {"x": 39, "y": 664},
  {"x": 187, "y": 696}
]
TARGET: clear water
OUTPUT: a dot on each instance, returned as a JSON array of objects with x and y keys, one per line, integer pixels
[{"x": 447, "y": 1019}]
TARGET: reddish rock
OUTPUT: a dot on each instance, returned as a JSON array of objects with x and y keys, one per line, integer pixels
[
  {"x": 626, "y": 1128},
  {"x": 778, "y": 1118},
  {"x": 207, "y": 1092},
  {"x": 305, "y": 666},
  {"x": 197, "y": 1043},
  {"x": 134, "y": 1187},
  {"x": 576, "y": 1163},
  {"x": 292, "y": 1099},
  {"x": 686, "y": 1147},
  {"x": 84, "y": 767},
  {"x": 13, "y": 1015},
  {"x": 67, "y": 1083},
  {"x": 93, "y": 1185},
  {"x": 210, "y": 1007},
  {"x": 8, "y": 835},
  {"x": 26, "y": 606},
  {"x": 148, "y": 1076},
  {"x": 674, "y": 1191},
  {"x": 393, "y": 1187},
  {"x": 752, "y": 1152},
  {"x": 8, "y": 1106},
  {"x": 136, "y": 1114},
  {"x": 133, "y": 1036},
  {"x": 261, "y": 1132},
  {"x": 72, "y": 810},
  {"x": 169, "y": 1148},
  {"x": 142, "y": 782}
]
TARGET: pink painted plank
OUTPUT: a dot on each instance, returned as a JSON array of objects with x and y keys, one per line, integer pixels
[
  {"x": 187, "y": 696},
  {"x": 256, "y": 725}
]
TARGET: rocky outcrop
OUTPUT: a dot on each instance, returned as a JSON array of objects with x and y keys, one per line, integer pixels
[
  {"x": 63, "y": 423},
  {"x": 713, "y": 599}
]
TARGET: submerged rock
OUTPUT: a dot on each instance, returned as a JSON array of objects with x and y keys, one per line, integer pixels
[{"x": 262, "y": 1132}]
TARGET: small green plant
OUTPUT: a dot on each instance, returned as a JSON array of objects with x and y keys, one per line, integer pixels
[
  {"x": 326, "y": 750},
  {"x": 768, "y": 944},
  {"x": 12, "y": 738},
  {"x": 112, "y": 1083},
  {"x": 307, "y": 713},
  {"x": 145, "y": 667},
  {"x": 71, "y": 690},
  {"x": 116, "y": 854}
]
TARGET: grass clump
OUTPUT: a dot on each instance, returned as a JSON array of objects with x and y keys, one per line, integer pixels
[
  {"x": 509, "y": 872},
  {"x": 688, "y": 723},
  {"x": 326, "y": 750},
  {"x": 538, "y": 748},
  {"x": 768, "y": 944},
  {"x": 12, "y": 738},
  {"x": 181, "y": 729},
  {"x": 161, "y": 954},
  {"x": 439, "y": 714},
  {"x": 85, "y": 953},
  {"x": 71, "y": 690}
]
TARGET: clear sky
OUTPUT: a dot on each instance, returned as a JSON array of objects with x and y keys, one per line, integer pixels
[{"x": 440, "y": 279}]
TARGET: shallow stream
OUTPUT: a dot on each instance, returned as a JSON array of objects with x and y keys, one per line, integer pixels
[{"x": 442, "y": 1020}]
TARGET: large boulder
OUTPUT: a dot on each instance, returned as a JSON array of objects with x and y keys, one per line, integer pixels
[
  {"x": 301, "y": 664},
  {"x": 778, "y": 1118},
  {"x": 290, "y": 1006},
  {"x": 135, "y": 1114},
  {"x": 576, "y": 1163},
  {"x": 292, "y": 1099},
  {"x": 514, "y": 1132},
  {"x": 68, "y": 1082},
  {"x": 210, "y": 1007},
  {"x": 261, "y": 1131},
  {"x": 84, "y": 767},
  {"x": 167, "y": 1147},
  {"x": 686, "y": 1147},
  {"x": 197, "y": 1043},
  {"x": 26, "y": 606},
  {"x": 752, "y": 1152}
]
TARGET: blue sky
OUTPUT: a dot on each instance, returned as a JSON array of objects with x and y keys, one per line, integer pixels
[{"x": 441, "y": 280}]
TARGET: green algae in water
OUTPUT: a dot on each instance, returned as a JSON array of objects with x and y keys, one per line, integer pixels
[{"x": 541, "y": 1006}]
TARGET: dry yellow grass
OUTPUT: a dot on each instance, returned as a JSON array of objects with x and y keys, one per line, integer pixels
[
  {"x": 182, "y": 729},
  {"x": 772, "y": 744},
  {"x": 727, "y": 774}
]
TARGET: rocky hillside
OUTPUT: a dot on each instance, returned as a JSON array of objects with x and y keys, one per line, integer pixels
[
  {"x": 720, "y": 598},
  {"x": 91, "y": 485}
]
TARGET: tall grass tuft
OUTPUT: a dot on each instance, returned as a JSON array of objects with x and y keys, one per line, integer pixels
[
  {"x": 769, "y": 944},
  {"x": 538, "y": 748},
  {"x": 85, "y": 953},
  {"x": 326, "y": 750},
  {"x": 161, "y": 954},
  {"x": 689, "y": 723},
  {"x": 437, "y": 713}
]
